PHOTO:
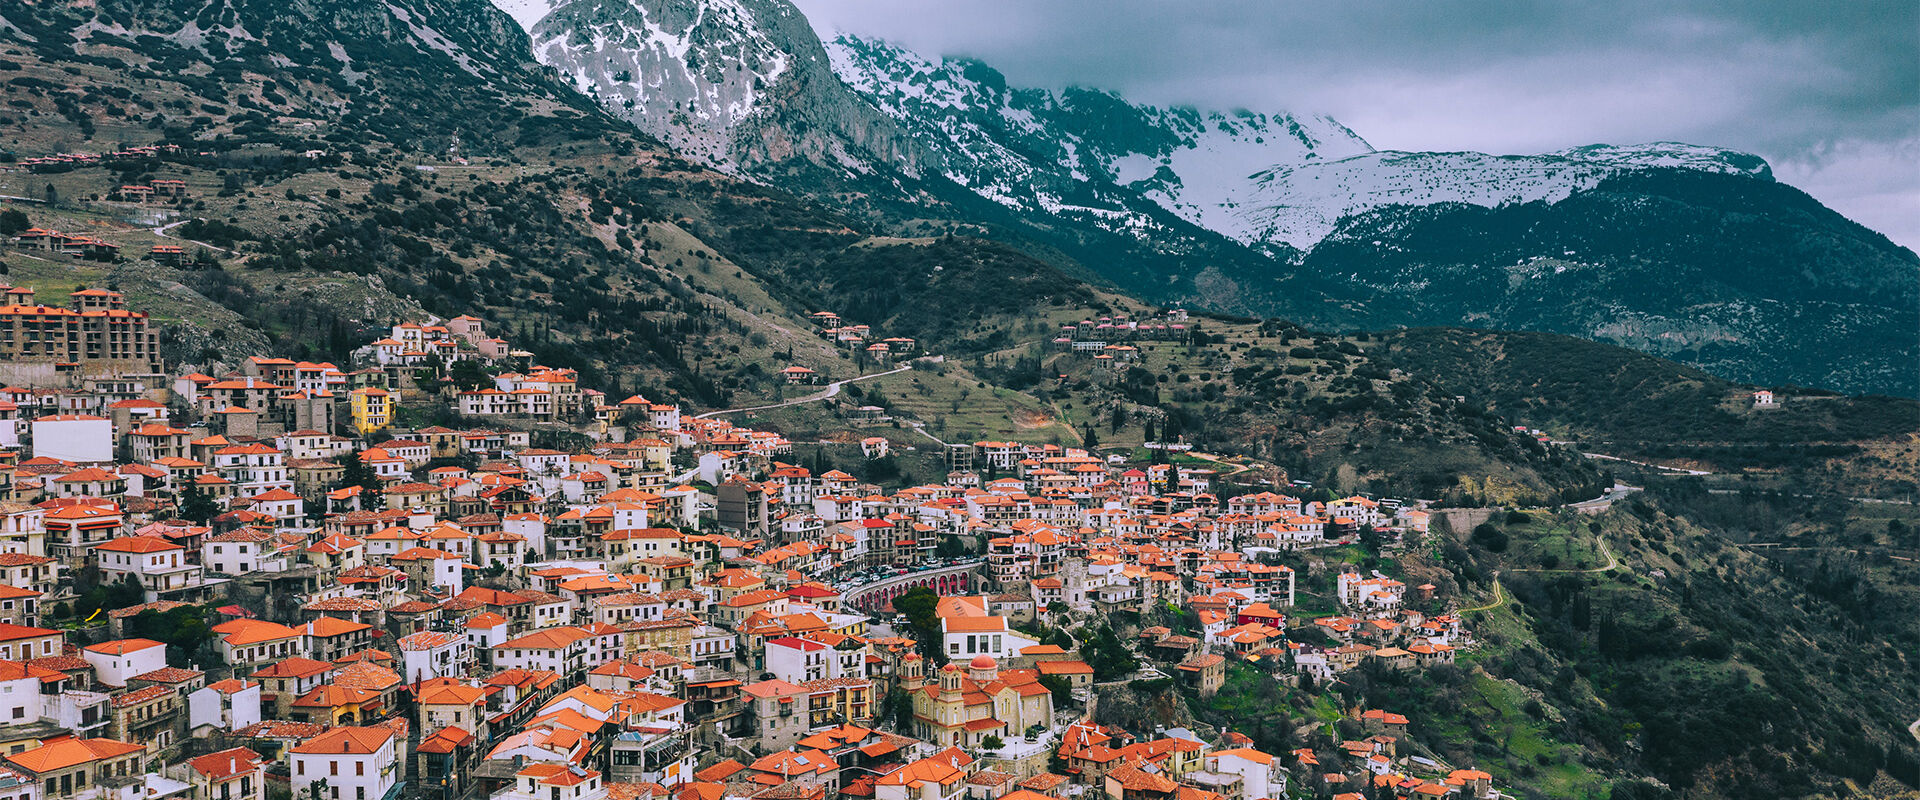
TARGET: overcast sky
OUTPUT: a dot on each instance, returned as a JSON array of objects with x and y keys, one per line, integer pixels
[{"x": 1829, "y": 93}]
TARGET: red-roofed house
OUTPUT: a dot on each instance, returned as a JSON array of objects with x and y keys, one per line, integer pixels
[
  {"x": 116, "y": 661},
  {"x": 160, "y": 566},
  {"x": 359, "y": 762},
  {"x": 234, "y": 774},
  {"x": 65, "y": 766}
]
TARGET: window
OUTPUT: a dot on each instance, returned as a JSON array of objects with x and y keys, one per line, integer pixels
[
  {"x": 359, "y": 767},
  {"x": 333, "y": 768}
]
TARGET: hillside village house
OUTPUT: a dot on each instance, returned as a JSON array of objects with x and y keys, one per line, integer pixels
[
  {"x": 233, "y": 774},
  {"x": 68, "y": 766},
  {"x": 577, "y": 620},
  {"x": 117, "y": 662},
  {"x": 356, "y": 763},
  {"x": 159, "y": 566}
]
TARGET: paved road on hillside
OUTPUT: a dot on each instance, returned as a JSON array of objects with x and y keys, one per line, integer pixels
[
  {"x": 921, "y": 428},
  {"x": 1605, "y": 457},
  {"x": 831, "y": 390},
  {"x": 1816, "y": 496},
  {"x": 1702, "y": 472},
  {"x": 161, "y": 231},
  {"x": 1618, "y": 492}
]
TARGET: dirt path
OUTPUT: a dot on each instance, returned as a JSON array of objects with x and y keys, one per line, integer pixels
[
  {"x": 1499, "y": 598},
  {"x": 1237, "y": 468}
]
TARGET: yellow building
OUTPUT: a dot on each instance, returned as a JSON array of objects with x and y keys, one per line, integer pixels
[
  {"x": 965, "y": 706},
  {"x": 849, "y": 700},
  {"x": 658, "y": 454},
  {"x": 372, "y": 409}
]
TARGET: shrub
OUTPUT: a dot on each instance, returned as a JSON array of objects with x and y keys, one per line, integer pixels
[{"x": 1489, "y": 536}]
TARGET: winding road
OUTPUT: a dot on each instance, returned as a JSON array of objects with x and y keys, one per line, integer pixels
[
  {"x": 1612, "y": 562},
  {"x": 921, "y": 428},
  {"x": 1600, "y": 504},
  {"x": 831, "y": 390},
  {"x": 161, "y": 231}
]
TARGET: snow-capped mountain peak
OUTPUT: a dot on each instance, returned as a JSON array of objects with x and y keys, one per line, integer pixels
[
  {"x": 1002, "y": 141},
  {"x": 745, "y": 84}
]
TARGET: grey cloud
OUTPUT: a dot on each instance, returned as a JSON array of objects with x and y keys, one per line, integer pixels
[{"x": 1829, "y": 92}]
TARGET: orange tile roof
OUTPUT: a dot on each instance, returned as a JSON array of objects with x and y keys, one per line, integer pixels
[
  {"x": 121, "y": 647},
  {"x": 243, "y": 632},
  {"x": 295, "y": 667},
  {"x": 60, "y": 753},
  {"x": 138, "y": 544},
  {"x": 226, "y": 763},
  {"x": 346, "y": 741}
]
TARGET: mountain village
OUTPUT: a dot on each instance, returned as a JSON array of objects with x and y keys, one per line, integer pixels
[
  {"x": 801, "y": 400},
  {"x": 258, "y": 585}
]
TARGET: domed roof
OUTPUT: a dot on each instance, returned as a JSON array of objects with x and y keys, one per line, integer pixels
[
  {"x": 950, "y": 668},
  {"x": 984, "y": 661},
  {"x": 912, "y": 657}
]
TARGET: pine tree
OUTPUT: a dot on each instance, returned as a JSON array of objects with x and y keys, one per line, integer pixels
[
  {"x": 196, "y": 506},
  {"x": 355, "y": 472}
]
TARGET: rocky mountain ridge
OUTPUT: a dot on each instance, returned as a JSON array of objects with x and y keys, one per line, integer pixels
[
  {"x": 1253, "y": 213},
  {"x": 731, "y": 83}
]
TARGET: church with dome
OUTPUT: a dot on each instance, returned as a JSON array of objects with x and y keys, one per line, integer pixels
[{"x": 962, "y": 706}]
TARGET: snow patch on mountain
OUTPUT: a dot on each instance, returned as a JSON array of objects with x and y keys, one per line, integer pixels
[
  {"x": 433, "y": 39},
  {"x": 1003, "y": 141},
  {"x": 525, "y": 12},
  {"x": 687, "y": 73},
  {"x": 1211, "y": 173},
  {"x": 1301, "y": 204}
]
